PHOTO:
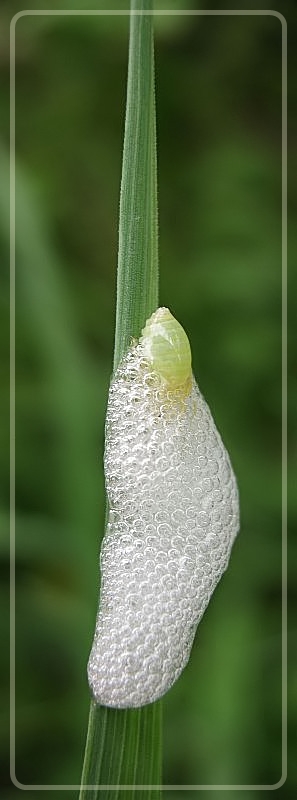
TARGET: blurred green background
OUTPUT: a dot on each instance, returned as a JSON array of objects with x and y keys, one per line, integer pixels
[{"x": 218, "y": 83}]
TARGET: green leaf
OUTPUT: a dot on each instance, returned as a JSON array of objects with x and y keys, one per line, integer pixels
[
  {"x": 137, "y": 280},
  {"x": 124, "y": 746}
]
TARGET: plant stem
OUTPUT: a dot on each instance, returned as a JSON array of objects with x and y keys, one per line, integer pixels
[
  {"x": 123, "y": 747},
  {"x": 137, "y": 280}
]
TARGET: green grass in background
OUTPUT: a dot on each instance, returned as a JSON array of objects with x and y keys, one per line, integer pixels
[{"x": 219, "y": 135}]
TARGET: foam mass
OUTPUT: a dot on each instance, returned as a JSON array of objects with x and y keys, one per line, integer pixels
[{"x": 173, "y": 517}]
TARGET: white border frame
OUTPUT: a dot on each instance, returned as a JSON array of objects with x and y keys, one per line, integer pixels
[{"x": 101, "y": 787}]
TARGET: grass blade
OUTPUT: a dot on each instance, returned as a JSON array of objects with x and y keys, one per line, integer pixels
[
  {"x": 137, "y": 283},
  {"x": 124, "y": 746}
]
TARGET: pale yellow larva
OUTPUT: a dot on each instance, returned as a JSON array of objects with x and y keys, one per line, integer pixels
[{"x": 166, "y": 347}]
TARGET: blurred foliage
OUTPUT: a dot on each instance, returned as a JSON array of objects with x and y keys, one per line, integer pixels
[{"x": 219, "y": 152}]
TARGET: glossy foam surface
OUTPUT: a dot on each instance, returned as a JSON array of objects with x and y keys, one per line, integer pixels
[{"x": 173, "y": 517}]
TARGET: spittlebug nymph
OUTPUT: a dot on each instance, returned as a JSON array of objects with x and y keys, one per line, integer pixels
[
  {"x": 167, "y": 348},
  {"x": 173, "y": 517}
]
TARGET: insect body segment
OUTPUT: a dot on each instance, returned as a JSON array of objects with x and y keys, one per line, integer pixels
[{"x": 167, "y": 348}]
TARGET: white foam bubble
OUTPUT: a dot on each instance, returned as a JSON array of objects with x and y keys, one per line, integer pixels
[{"x": 174, "y": 514}]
